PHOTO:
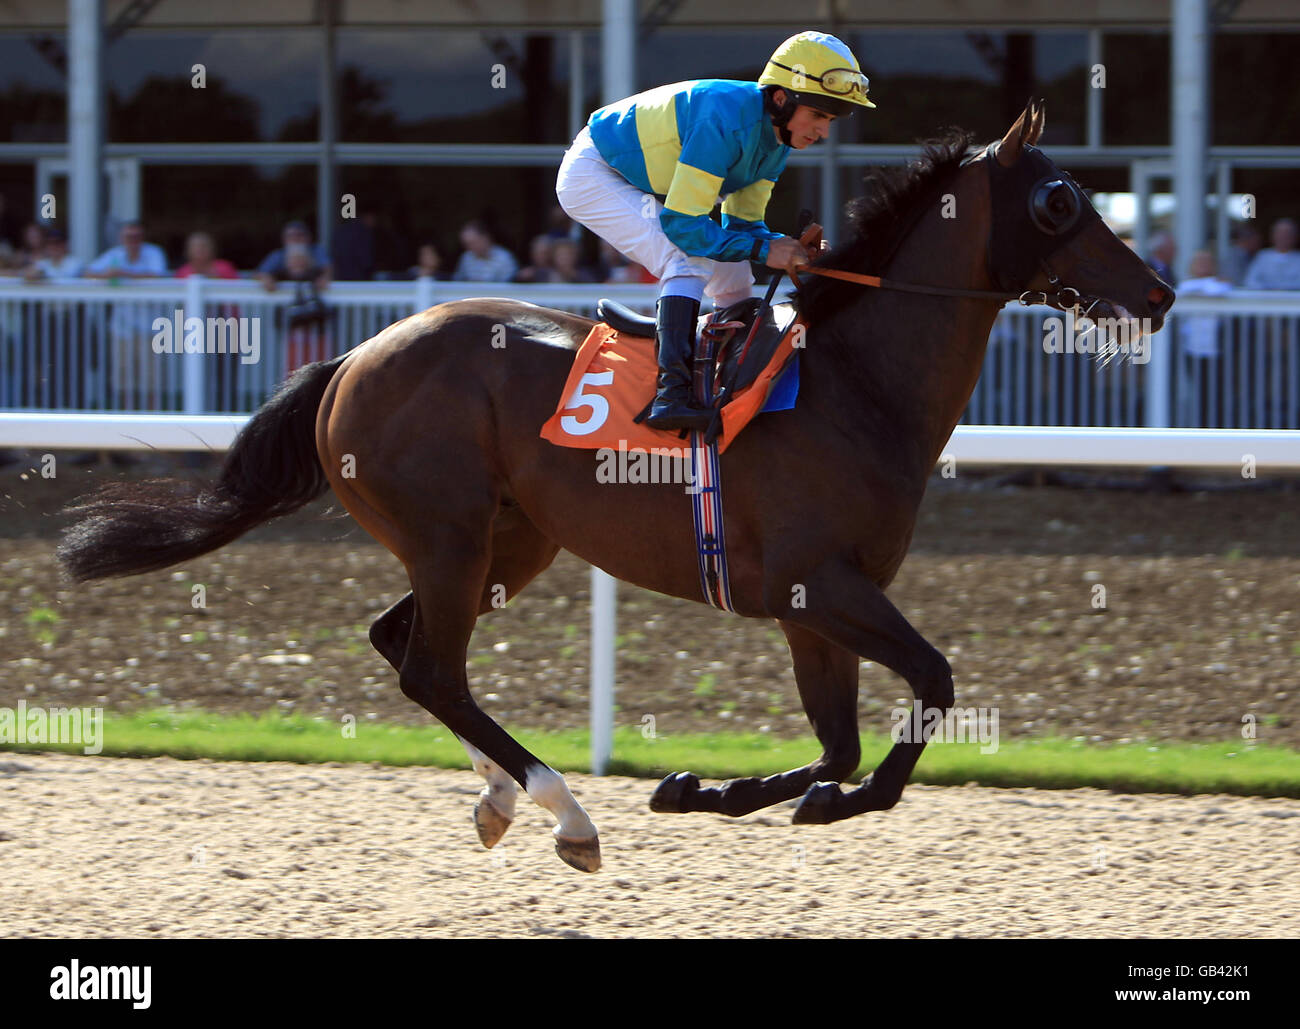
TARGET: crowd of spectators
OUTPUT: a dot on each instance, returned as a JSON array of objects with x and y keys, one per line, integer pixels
[
  {"x": 1247, "y": 265},
  {"x": 36, "y": 252},
  {"x": 1205, "y": 340}
]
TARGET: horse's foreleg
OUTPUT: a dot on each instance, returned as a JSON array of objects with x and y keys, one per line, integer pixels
[
  {"x": 844, "y": 606},
  {"x": 827, "y": 677}
]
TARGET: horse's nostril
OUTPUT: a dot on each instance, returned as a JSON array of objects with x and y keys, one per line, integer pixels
[{"x": 1159, "y": 299}]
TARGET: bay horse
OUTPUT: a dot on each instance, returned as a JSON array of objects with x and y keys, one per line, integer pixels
[{"x": 428, "y": 435}]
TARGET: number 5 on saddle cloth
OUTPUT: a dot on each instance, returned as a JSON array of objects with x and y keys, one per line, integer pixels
[{"x": 612, "y": 383}]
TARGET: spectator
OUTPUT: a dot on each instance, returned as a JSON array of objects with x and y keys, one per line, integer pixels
[
  {"x": 1278, "y": 267},
  {"x": 132, "y": 258},
  {"x": 1162, "y": 256},
  {"x": 483, "y": 260},
  {"x": 32, "y": 249},
  {"x": 272, "y": 269},
  {"x": 1246, "y": 242},
  {"x": 1200, "y": 332},
  {"x": 539, "y": 267},
  {"x": 134, "y": 372},
  {"x": 1199, "y": 367},
  {"x": 308, "y": 317},
  {"x": 428, "y": 264},
  {"x": 559, "y": 225},
  {"x": 564, "y": 257},
  {"x": 56, "y": 263},
  {"x": 354, "y": 248},
  {"x": 201, "y": 259},
  {"x": 301, "y": 263}
]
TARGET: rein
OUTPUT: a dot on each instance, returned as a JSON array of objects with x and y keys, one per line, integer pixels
[{"x": 1063, "y": 298}]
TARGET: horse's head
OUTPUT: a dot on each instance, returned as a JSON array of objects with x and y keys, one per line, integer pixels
[{"x": 1048, "y": 238}]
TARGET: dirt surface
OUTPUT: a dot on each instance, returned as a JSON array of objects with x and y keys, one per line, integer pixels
[
  {"x": 104, "y": 847},
  {"x": 1202, "y": 592},
  {"x": 1199, "y": 628}
]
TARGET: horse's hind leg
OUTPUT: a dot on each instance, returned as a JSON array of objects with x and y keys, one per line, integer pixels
[
  {"x": 495, "y": 808},
  {"x": 448, "y": 580},
  {"x": 519, "y": 553},
  {"x": 827, "y": 677}
]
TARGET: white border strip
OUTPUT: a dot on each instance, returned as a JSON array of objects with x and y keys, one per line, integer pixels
[{"x": 1272, "y": 449}]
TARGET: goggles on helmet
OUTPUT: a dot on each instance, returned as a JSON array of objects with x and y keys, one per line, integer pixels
[{"x": 841, "y": 81}]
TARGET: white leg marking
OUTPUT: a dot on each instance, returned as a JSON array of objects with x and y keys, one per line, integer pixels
[
  {"x": 501, "y": 790},
  {"x": 547, "y": 787}
]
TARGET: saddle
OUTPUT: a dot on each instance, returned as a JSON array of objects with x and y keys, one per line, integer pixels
[{"x": 737, "y": 357}]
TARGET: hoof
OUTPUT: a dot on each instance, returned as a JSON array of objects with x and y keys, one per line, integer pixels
[
  {"x": 584, "y": 855},
  {"x": 490, "y": 823},
  {"x": 818, "y": 804},
  {"x": 671, "y": 794}
]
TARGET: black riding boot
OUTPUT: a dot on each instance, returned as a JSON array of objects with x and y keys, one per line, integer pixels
[{"x": 674, "y": 405}]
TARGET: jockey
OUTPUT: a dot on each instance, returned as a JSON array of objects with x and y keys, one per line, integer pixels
[{"x": 646, "y": 172}]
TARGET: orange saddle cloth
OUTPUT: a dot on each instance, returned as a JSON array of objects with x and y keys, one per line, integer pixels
[{"x": 613, "y": 379}]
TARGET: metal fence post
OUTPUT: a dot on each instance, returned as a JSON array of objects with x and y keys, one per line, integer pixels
[
  {"x": 423, "y": 293},
  {"x": 604, "y": 591},
  {"x": 192, "y": 392}
]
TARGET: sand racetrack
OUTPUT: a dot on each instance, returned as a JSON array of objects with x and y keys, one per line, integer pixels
[
  {"x": 103, "y": 847},
  {"x": 1198, "y": 636}
]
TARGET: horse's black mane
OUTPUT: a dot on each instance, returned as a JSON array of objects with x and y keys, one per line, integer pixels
[{"x": 879, "y": 217}]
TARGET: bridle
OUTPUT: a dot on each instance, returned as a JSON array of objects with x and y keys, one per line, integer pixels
[{"x": 1044, "y": 219}]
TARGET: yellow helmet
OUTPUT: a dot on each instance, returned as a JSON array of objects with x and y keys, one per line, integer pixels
[{"x": 820, "y": 70}]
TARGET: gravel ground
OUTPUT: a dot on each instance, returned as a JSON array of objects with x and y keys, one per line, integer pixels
[{"x": 104, "y": 847}]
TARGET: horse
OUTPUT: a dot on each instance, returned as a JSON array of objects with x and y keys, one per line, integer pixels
[{"x": 428, "y": 434}]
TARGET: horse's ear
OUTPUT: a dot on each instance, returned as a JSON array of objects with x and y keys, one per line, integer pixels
[
  {"x": 1015, "y": 139},
  {"x": 1038, "y": 119}
]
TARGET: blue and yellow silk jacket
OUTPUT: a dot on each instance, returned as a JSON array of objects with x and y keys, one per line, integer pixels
[{"x": 690, "y": 143}]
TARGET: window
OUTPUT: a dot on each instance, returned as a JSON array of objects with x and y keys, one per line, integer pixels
[
  {"x": 33, "y": 90},
  {"x": 259, "y": 86},
  {"x": 1255, "y": 89},
  {"x": 423, "y": 86}
]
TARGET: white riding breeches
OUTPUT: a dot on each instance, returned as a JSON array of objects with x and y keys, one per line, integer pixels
[{"x": 596, "y": 196}]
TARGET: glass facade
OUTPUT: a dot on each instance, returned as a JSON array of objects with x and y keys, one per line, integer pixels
[
  {"x": 33, "y": 89},
  {"x": 490, "y": 87},
  {"x": 1248, "y": 110},
  {"x": 924, "y": 81},
  {"x": 1135, "y": 101},
  {"x": 259, "y": 87},
  {"x": 424, "y": 86}
]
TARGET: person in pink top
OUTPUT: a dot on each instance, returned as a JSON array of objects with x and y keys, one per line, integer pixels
[{"x": 201, "y": 259}]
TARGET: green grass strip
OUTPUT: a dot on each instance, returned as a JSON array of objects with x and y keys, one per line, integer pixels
[{"x": 1053, "y": 763}]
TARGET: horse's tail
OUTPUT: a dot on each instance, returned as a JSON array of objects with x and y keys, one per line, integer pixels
[{"x": 271, "y": 470}]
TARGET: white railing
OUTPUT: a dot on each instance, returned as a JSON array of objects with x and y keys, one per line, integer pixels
[
  {"x": 1231, "y": 362},
  {"x": 89, "y": 346}
]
